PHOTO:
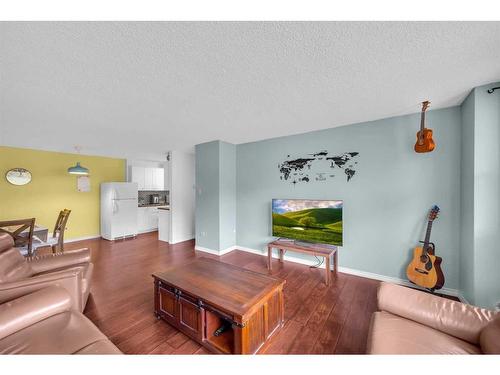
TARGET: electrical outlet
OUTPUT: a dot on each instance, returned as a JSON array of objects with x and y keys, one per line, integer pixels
[{"x": 497, "y": 308}]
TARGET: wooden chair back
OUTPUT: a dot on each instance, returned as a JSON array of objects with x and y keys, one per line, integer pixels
[
  {"x": 21, "y": 231},
  {"x": 60, "y": 227}
]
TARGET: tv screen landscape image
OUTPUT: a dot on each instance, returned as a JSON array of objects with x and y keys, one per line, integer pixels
[{"x": 317, "y": 221}]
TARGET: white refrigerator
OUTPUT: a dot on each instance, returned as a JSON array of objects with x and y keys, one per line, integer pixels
[{"x": 118, "y": 210}]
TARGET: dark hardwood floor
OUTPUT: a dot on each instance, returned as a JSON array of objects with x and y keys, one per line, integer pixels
[{"x": 318, "y": 319}]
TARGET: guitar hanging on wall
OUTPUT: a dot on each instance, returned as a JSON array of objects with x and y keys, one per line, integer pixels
[
  {"x": 424, "y": 143},
  {"x": 425, "y": 268}
]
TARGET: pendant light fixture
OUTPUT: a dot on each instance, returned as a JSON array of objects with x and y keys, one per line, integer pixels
[{"x": 78, "y": 169}]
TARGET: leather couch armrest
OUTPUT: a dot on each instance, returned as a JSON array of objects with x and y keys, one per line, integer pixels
[
  {"x": 451, "y": 317},
  {"x": 32, "y": 308},
  {"x": 71, "y": 280},
  {"x": 47, "y": 262},
  {"x": 490, "y": 337}
]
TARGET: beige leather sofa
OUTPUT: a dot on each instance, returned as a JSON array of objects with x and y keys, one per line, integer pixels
[
  {"x": 71, "y": 270},
  {"x": 415, "y": 322},
  {"x": 44, "y": 322}
]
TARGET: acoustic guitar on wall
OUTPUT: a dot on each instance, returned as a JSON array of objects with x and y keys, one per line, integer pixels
[
  {"x": 425, "y": 268},
  {"x": 424, "y": 143}
]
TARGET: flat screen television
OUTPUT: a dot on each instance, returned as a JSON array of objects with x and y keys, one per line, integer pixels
[{"x": 316, "y": 221}]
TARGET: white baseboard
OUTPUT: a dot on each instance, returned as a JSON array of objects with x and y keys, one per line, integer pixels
[
  {"x": 228, "y": 250},
  {"x": 255, "y": 251},
  {"x": 351, "y": 271},
  {"x": 189, "y": 237},
  {"x": 216, "y": 252},
  {"x": 395, "y": 280},
  {"x": 147, "y": 231},
  {"x": 82, "y": 238},
  {"x": 206, "y": 250}
]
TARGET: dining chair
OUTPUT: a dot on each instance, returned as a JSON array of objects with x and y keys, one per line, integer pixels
[
  {"x": 22, "y": 232},
  {"x": 56, "y": 242}
]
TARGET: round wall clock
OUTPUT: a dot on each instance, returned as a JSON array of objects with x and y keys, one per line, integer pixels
[{"x": 18, "y": 176}]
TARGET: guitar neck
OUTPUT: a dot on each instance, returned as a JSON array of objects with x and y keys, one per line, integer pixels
[
  {"x": 422, "y": 121},
  {"x": 427, "y": 235}
]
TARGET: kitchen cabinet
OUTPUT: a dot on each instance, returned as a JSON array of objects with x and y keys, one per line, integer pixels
[
  {"x": 148, "y": 178},
  {"x": 147, "y": 219},
  {"x": 142, "y": 224},
  {"x": 153, "y": 217},
  {"x": 164, "y": 224},
  {"x": 138, "y": 175},
  {"x": 158, "y": 181}
]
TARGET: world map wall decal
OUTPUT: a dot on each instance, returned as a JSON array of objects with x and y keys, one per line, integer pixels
[{"x": 319, "y": 166}]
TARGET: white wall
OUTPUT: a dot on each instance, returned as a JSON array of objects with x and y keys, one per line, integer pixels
[{"x": 182, "y": 196}]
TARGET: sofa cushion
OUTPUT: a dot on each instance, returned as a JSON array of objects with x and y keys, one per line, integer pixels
[
  {"x": 490, "y": 337},
  {"x": 64, "y": 333},
  {"x": 392, "y": 334},
  {"x": 100, "y": 347},
  {"x": 450, "y": 317},
  {"x": 48, "y": 262},
  {"x": 32, "y": 308},
  {"x": 13, "y": 266}
]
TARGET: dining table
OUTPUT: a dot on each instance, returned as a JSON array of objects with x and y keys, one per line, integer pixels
[{"x": 39, "y": 231}]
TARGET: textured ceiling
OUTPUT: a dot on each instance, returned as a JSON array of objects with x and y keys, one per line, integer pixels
[{"x": 138, "y": 89}]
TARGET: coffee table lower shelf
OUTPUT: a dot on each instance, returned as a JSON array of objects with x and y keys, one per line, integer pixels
[{"x": 199, "y": 319}]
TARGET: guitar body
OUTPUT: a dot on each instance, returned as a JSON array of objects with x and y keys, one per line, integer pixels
[
  {"x": 424, "y": 143},
  {"x": 425, "y": 269}
]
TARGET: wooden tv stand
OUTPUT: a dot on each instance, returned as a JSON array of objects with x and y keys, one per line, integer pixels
[{"x": 318, "y": 250}]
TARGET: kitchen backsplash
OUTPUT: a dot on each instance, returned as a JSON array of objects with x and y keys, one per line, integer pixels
[{"x": 145, "y": 197}]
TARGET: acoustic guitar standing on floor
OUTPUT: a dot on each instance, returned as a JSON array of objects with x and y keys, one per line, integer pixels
[
  {"x": 425, "y": 268},
  {"x": 424, "y": 143}
]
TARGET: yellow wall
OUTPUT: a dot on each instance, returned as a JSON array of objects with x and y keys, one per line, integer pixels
[{"x": 52, "y": 188}]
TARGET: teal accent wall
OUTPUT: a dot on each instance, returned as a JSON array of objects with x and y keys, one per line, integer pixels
[
  {"x": 227, "y": 198},
  {"x": 467, "y": 199},
  {"x": 215, "y": 220},
  {"x": 207, "y": 195},
  {"x": 480, "y": 250},
  {"x": 487, "y": 196},
  {"x": 385, "y": 203}
]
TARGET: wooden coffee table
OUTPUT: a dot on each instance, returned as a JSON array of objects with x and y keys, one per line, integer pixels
[{"x": 202, "y": 296}]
